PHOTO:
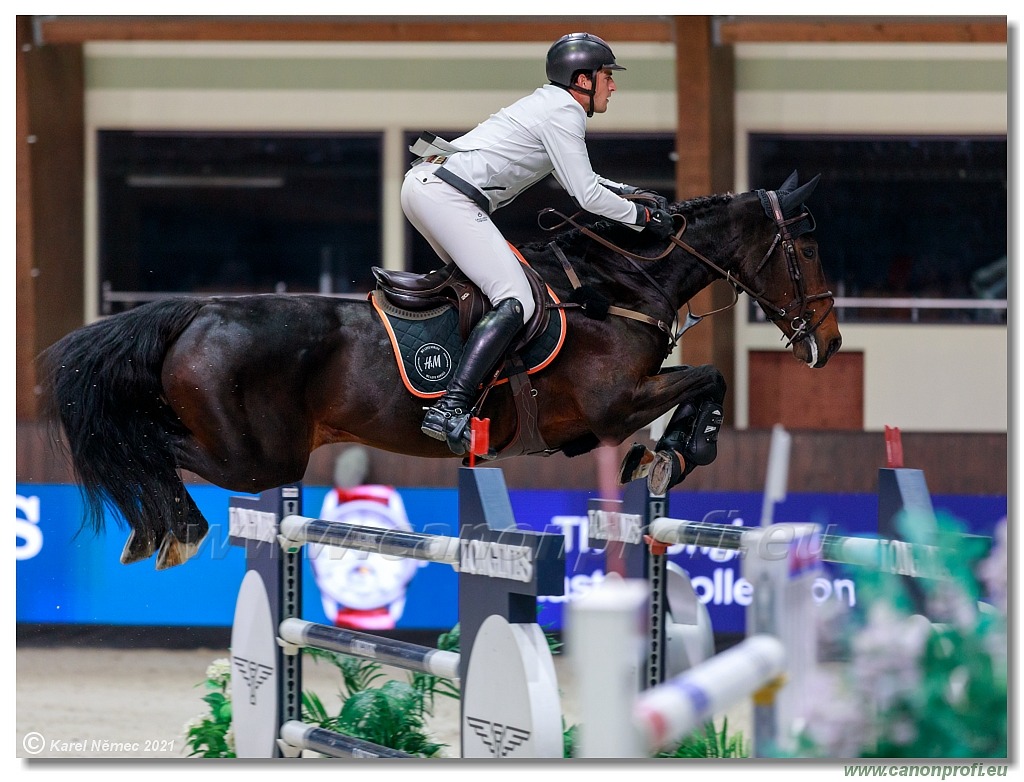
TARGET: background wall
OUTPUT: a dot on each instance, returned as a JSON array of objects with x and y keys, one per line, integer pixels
[
  {"x": 919, "y": 377},
  {"x": 946, "y": 387},
  {"x": 396, "y": 88}
]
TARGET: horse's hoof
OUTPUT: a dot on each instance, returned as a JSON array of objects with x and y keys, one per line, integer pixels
[
  {"x": 137, "y": 548},
  {"x": 636, "y": 464},
  {"x": 665, "y": 472},
  {"x": 174, "y": 552}
]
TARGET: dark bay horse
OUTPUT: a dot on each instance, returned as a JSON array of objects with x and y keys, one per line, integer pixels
[{"x": 241, "y": 390}]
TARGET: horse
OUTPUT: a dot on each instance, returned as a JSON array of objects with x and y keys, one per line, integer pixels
[{"x": 241, "y": 390}]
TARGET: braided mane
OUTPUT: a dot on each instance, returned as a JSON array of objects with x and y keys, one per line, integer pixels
[{"x": 701, "y": 203}]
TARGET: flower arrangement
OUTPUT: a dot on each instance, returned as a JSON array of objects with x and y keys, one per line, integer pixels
[
  {"x": 922, "y": 684},
  {"x": 393, "y": 714},
  {"x": 209, "y": 735}
]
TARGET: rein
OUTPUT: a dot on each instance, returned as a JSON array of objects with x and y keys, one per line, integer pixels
[
  {"x": 633, "y": 258},
  {"x": 800, "y": 324}
]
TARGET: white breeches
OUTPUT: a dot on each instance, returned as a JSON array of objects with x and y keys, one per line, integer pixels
[{"x": 460, "y": 232}]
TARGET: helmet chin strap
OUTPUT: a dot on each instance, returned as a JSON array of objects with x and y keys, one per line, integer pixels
[{"x": 589, "y": 93}]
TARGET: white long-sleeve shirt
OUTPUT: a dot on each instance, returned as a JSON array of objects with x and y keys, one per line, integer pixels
[{"x": 540, "y": 134}]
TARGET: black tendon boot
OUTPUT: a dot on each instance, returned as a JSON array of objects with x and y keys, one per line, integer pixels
[
  {"x": 691, "y": 441},
  {"x": 448, "y": 419}
]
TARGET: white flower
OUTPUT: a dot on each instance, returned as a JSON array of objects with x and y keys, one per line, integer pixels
[
  {"x": 948, "y": 603},
  {"x": 902, "y": 731},
  {"x": 219, "y": 671},
  {"x": 992, "y": 569},
  {"x": 229, "y": 738},
  {"x": 886, "y": 654},
  {"x": 834, "y": 721}
]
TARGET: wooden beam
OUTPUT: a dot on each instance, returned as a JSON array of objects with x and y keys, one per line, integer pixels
[
  {"x": 50, "y": 231},
  {"x": 824, "y": 29},
  {"x": 81, "y": 29},
  {"x": 26, "y": 346},
  {"x": 705, "y": 128},
  {"x": 739, "y": 29}
]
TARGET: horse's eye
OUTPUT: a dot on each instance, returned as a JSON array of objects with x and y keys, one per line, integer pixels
[{"x": 808, "y": 252}]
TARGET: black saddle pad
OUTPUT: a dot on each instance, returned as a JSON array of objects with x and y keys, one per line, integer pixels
[{"x": 427, "y": 345}]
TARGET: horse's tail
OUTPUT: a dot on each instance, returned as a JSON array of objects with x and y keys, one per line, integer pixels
[{"x": 102, "y": 384}]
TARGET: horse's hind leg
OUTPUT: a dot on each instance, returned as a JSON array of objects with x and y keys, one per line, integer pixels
[
  {"x": 186, "y": 530},
  {"x": 174, "y": 537},
  {"x": 139, "y": 546}
]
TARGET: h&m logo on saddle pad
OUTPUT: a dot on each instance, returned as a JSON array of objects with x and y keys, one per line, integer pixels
[
  {"x": 432, "y": 362},
  {"x": 427, "y": 345}
]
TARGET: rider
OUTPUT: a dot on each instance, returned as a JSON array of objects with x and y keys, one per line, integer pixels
[{"x": 449, "y": 196}]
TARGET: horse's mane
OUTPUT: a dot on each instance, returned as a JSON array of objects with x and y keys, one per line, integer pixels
[{"x": 701, "y": 203}]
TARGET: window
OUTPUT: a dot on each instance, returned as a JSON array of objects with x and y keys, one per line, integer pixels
[
  {"x": 208, "y": 212},
  {"x": 901, "y": 218},
  {"x": 641, "y": 160}
]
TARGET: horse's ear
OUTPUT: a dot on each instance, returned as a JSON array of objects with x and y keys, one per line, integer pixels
[
  {"x": 790, "y": 183},
  {"x": 791, "y": 202}
]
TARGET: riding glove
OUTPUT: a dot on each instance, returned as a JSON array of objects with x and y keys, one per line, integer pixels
[{"x": 656, "y": 221}]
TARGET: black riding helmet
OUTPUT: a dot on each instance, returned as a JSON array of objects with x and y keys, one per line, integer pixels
[{"x": 577, "y": 52}]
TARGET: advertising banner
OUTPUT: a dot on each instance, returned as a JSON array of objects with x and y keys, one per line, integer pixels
[{"x": 69, "y": 577}]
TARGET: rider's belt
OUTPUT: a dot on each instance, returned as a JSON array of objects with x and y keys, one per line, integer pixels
[{"x": 464, "y": 187}]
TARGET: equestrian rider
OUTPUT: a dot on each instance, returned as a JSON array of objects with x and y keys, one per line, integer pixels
[{"x": 449, "y": 198}]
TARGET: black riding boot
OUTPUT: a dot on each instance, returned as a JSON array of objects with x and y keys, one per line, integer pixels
[{"x": 448, "y": 418}]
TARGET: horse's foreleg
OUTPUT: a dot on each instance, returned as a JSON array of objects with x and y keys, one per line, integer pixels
[
  {"x": 657, "y": 394},
  {"x": 690, "y": 438}
]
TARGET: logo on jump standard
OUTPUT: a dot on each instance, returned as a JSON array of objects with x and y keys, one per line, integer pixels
[
  {"x": 432, "y": 362},
  {"x": 253, "y": 673},
  {"x": 501, "y": 740}
]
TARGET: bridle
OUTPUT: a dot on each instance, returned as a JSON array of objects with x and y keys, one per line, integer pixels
[{"x": 801, "y": 323}]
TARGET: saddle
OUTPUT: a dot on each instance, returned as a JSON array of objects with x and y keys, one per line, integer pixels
[
  {"x": 413, "y": 308},
  {"x": 449, "y": 286}
]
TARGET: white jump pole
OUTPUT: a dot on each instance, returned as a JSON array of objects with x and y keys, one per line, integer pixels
[{"x": 667, "y": 713}]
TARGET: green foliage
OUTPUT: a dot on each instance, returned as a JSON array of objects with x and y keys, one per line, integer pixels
[
  {"x": 393, "y": 714},
  {"x": 709, "y": 743},
  {"x": 920, "y": 687},
  {"x": 427, "y": 685},
  {"x": 357, "y": 674},
  {"x": 569, "y": 736},
  {"x": 958, "y": 710},
  {"x": 209, "y": 736}
]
